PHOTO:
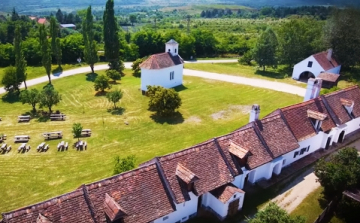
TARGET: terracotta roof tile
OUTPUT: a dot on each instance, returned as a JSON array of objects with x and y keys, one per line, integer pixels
[
  {"x": 185, "y": 174},
  {"x": 112, "y": 209},
  {"x": 140, "y": 193},
  {"x": 277, "y": 135},
  {"x": 225, "y": 192},
  {"x": 205, "y": 161},
  {"x": 321, "y": 58},
  {"x": 336, "y": 105},
  {"x": 42, "y": 21},
  {"x": 237, "y": 150},
  {"x": 246, "y": 138},
  {"x": 330, "y": 77},
  {"x": 300, "y": 124},
  {"x": 71, "y": 207},
  {"x": 160, "y": 61}
]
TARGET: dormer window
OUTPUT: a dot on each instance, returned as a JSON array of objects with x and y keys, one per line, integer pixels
[
  {"x": 188, "y": 177},
  {"x": 42, "y": 219},
  {"x": 113, "y": 211},
  {"x": 348, "y": 105},
  {"x": 316, "y": 119},
  {"x": 239, "y": 152}
]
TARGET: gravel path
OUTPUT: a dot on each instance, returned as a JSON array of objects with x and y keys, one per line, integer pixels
[
  {"x": 291, "y": 196},
  {"x": 287, "y": 88}
]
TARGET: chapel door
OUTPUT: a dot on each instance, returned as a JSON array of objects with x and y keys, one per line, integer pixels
[{"x": 233, "y": 207}]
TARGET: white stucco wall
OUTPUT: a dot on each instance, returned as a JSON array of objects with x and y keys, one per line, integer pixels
[
  {"x": 302, "y": 66},
  {"x": 162, "y": 77},
  {"x": 220, "y": 208},
  {"x": 182, "y": 212}
]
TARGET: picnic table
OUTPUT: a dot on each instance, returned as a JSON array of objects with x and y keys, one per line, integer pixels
[
  {"x": 62, "y": 145},
  {"x": 52, "y": 135},
  {"x": 40, "y": 147},
  {"x": 22, "y": 147},
  {"x": 80, "y": 145},
  {"x": 5, "y": 148},
  {"x": 24, "y": 118},
  {"x": 86, "y": 132},
  {"x": 57, "y": 117},
  {"x": 22, "y": 138}
]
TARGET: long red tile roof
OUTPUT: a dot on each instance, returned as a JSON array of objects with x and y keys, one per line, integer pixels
[
  {"x": 321, "y": 58},
  {"x": 160, "y": 61}
]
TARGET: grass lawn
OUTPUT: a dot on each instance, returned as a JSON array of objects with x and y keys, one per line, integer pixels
[
  {"x": 34, "y": 72},
  {"x": 311, "y": 209},
  {"x": 33, "y": 177},
  {"x": 245, "y": 71}
]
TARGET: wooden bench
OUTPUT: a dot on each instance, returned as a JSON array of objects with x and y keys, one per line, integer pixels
[
  {"x": 57, "y": 117},
  {"x": 81, "y": 145},
  {"x": 86, "y": 133},
  {"x": 52, "y": 135},
  {"x": 22, "y": 138},
  {"x": 24, "y": 118}
]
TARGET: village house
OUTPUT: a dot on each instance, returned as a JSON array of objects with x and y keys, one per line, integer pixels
[
  {"x": 163, "y": 69},
  {"x": 315, "y": 64},
  {"x": 212, "y": 175}
]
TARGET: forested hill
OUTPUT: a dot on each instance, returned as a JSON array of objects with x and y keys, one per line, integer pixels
[{"x": 46, "y": 5}]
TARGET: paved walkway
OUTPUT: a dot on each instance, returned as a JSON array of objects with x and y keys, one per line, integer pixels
[{"x": 287, "y": 88}]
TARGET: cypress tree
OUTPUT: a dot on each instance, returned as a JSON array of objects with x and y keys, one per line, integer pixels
[
  {"x": 20, "y": 62},
  {"x": 111, "y": 39},
  {"x": 45, "y": 51},
  {"x": 90, "y": 51},
  {"x": 55, "y": 47}
]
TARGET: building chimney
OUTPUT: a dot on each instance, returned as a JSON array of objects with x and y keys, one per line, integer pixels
[
  {"x": 313, "y": 88},
  {"x": 255, "y": 112},
  {"x": 329, "y": 54}
]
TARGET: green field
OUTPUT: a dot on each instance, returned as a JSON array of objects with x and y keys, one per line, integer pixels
[
  {"x": 209, "y": 109},
  {"x": 245, "y": 71}
]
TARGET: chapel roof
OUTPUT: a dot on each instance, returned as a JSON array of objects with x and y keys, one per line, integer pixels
[
  {"x": 322, "y": 59},
  {"x": 160, "y": 61},
  {"x": 172, "y": 42}
]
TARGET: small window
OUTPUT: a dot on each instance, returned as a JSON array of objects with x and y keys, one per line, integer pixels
[
  {"x": 235, "y": 196},
  {"x": 308, "y": 148},
  {"x": 169, "y": 50},
  {"x": 175, "y": 50},
  {"x": 296, "y": 153},
  {"x": 310, "y": 64},
  {"x": 165, "y": 218},
  {"x": 172, "y": 75}
]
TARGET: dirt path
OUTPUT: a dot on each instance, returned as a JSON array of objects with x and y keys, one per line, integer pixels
[{"x": 291, "y": 196}]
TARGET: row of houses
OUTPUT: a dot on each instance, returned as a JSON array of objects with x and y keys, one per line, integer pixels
[{"x": 211, "y": 175}]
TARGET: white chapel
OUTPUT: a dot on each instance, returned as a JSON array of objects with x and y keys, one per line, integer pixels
[{"x": 163, "y": 69}]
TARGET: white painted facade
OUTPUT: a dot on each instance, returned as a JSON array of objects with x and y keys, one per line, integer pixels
[
  {"x": 162, "y": 77},
  {"x": 210, "y": 201},
  {"x": 315, "y": 68},
  {"x": 183, "y": 211}
]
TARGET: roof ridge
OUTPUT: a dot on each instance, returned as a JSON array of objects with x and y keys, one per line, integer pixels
[
  {"x": 286, "y": 123},
  {"x": 330, "y": 111},
  {"x": 89, "y": 203},
  {"x": 121, "y": 176},
  {"x": 342, "y": 90},
  {"x": 262, "y": 140},
  {"x": 45, "y": 203},
  {"x": 232, "y": 171},
  {"x": 170, "y": 194}
]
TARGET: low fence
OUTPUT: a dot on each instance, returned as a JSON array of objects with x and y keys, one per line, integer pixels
[{"x": 328, "y": 212}]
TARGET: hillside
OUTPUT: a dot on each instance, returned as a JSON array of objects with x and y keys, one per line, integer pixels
[{"x": 28, "y": 6}]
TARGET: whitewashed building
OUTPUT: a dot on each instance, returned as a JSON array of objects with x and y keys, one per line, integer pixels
[
  {"x": 163, "y": 69},
  {"x": 211, "y": 176},
  {"x": 315, "y": 64}
]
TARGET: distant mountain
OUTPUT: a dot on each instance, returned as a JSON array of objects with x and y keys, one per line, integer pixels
[{"x": 70, "y": 5}]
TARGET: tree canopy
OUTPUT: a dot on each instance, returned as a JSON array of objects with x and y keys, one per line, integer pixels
[
  {"x": 265, "y": 49},
  {"x": 101, "y": 83},
  {"x": 124, "y": 164},
  {"x": 31, "y": 97},
  {"x": 49, "y": 97},
  {"x": 110, "y": 33},
  {"x": 274, "y": 214},
  {"x": 114, "y": 96},
  {"x": 341, "y": 172},
  {"x": 76, "y": 130},
  {"x": 90, "y": 51},
  {"x": 162, "y": 100}
]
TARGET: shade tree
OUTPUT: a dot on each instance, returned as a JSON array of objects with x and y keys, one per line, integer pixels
[
  {"x": 114, "y": 96},
  {"x": 31, "y": 97}
]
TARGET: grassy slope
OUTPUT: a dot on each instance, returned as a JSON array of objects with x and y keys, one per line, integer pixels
[
  {"x": 244, "y": 71},
  {"x": 33, "y": 177}
]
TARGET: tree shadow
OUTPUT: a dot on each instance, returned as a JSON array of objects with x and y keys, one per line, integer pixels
[
  {"x": 271, "y": 74},
  {"x": 91, "y": 76},
  {"x": 10, "y": 97},
  {"x": 174, "y": 119},
  {"x": 116, "y": 111},
  {"x": 57, "y": 71},
  {"x": 180, "y": 88},
  {"x": 43, "y": 118},
  {"x": 100, "y": 93}
]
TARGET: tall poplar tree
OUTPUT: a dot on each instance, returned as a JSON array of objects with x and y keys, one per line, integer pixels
[
  {"x": 90, "y": 51},
  {"x": 20, "y": 62},
  {"x": 111, "y": 38},
  {"x": 265, "y": 49},
  {"x": 55, "y": 47},
  {"x": 45, "y": 51}
]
